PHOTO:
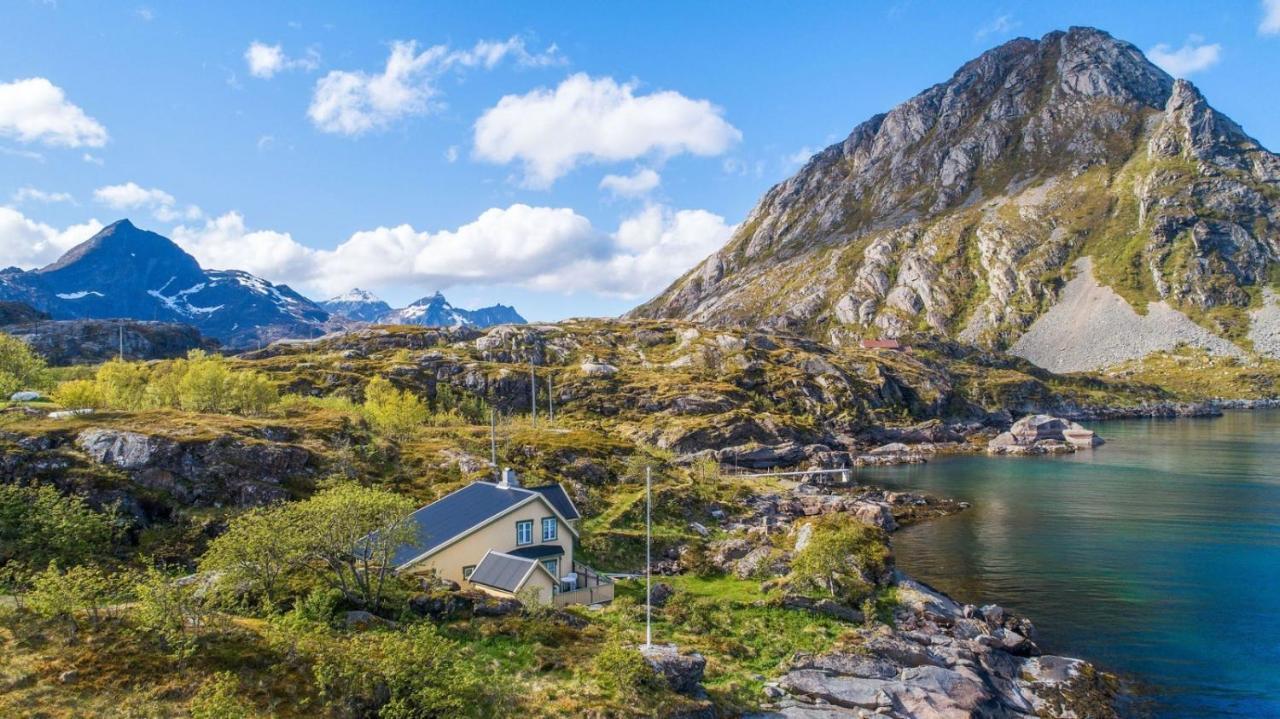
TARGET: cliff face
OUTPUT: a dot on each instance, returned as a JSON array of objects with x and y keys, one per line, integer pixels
[{"x": 963, "y": 210}]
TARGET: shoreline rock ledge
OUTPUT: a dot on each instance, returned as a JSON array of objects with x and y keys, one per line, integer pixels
[
  {"x": 1043, "y": 434},
  {"x": 941, "y": 660}
]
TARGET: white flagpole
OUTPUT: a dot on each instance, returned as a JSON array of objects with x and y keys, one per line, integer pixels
[{"x": 648, "y": 560}]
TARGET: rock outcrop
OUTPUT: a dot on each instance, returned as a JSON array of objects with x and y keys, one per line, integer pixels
[
  {"x": 1043, "y": 434},
  {"x": 962, "y": 211},
  {"x": 68, "y": 342},
  {"x": 941, "y": 659}
]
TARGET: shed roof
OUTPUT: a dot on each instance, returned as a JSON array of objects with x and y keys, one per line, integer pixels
[{"x": 504, "y": 571}]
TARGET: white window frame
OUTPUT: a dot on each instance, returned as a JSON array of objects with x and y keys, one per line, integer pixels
[
  {"x": 555, "y": 529},
  {"x": 468, "y": 570},
  {"x": 524, "y": 527},
  {"x": 556, "y": 564}
]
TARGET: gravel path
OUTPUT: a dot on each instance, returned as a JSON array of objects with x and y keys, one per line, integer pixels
[{"x": 1092, "y": 327}]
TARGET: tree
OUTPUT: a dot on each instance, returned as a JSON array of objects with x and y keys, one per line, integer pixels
[
  {"x": 622, "y": 669},
  {"x": 259, "y": 548},
  {"x": 20, "y": 368},
  {"x": 123, "y": 385},
  {"x": 170, "y": 611},
  {"x": 62, "y": 594},
  {"x": 206, "y": 385},
  {"x": 251, "y": 393},
  {"x": 354, "y": 532},
  {"x": 843, "y": 560},
  {"x": 78, "y": 394},
  {"x": 395, "y": 413},
  {"x": 39, "y": 525}
]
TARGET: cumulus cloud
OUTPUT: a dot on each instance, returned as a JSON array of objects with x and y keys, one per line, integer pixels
[
  {"x": 542, "y": 248},
  {"x": 1270, "y": 24},
  {"x": 596, "y": 120},
  {"x": 225, "y": 243},
  {"x": 31, "y": 194},
  {"x": 131, "y": 196},
  {"x": 1193, "y": 56},
  {"x": 265, "y": 61},
  {"x": 648, "y": 251},
  {"x": 27, "y": 243},
  {"x": 637, "y": 184},
  {"x": 353, "y": 102},
  {"x": 36, "y": 110}
]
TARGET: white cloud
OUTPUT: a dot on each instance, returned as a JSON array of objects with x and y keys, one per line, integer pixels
[
  {"x": 36, "y": 110},
  {"x": 585, "y": 119},
  {"x": 265, "y": 60},
  {"x": 31, "y": 194},
  {"x": 542, "y": 248},
  {"x": 1270, "y": 24},
  {"x": 1000, "y": 25},
  {"x": 145, "y": 14},
  {"x": 798, "y": 158},
  {"x": 225, "y": 243},
  {"x": 355, "y": 102},
  {"x": 637, "y": 184},
  {"x": 266, "y": 142},
  {"x": 129, "y": 196},
  {"x": 451, "y": 154},
  {"x": 649, "y": 250},
  {"x": 1193, "y": 56},
  {"x": 26, "y": 243},
  {"x": 92, "y": 159}
]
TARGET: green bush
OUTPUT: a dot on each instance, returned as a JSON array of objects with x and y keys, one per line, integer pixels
[
  {"x": 79, "y": 394},
  {"x": 122, "y": 385},
  {"x": 39, "y": 525},
  {"x": 20, "y": 368},
  {"x": 623, "y": 670},
  {"x": 61, "y": 595},
  {"x": 218, "y": 698},
  {"x": 843, "y": 560},
  {"x": 394, "y": 413}
]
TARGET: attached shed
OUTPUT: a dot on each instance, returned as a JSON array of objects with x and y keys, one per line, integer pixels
[{"x": 505, "y": 575}]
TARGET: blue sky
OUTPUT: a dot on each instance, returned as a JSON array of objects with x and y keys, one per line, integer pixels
[{"x": 568, "y": 158}]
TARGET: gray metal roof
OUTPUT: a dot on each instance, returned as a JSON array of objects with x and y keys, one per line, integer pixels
[
  {"x": 538, "y": 551},
  {"x": 502, "y": 571},
  {"x": 460, "y": 511},
  {"x": 559, "y": 499}
]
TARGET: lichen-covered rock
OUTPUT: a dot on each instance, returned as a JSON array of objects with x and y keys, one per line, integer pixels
[{"x": 682, "y": 671}]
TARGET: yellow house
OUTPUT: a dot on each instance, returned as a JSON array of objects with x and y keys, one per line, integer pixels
[{"x": 501, "y": 538}]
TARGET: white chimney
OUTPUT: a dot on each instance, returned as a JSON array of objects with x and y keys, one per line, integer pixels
[{"x": 509, "y": 478}]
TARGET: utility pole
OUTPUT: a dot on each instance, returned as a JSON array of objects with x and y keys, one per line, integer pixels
[
  {"x": 533, "y": 394},
  {"x": 551, "y": 407},
  {"x": 121, "y": 356},
  {"x": 493, "y": 440},
  {"x": 648, "y": 560}
]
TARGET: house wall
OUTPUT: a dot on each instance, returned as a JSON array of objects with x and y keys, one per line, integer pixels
[{"x": 500, "y": 536}]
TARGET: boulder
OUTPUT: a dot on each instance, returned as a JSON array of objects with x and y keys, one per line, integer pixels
[
  {"x": 497, "y": 607},
  {"x": 24, "y": 396},
  {"x": 753, "y": 563},
  {"x": 660, "y": 593},
  {"x": 598, "y": 369},
  {"x": 682, "y": 672},
  {"x": 361, "y": 620},
  {"x": 876, "y": 514}
]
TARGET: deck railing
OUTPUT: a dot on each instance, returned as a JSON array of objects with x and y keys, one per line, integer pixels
[{"x": 592, "y": 587}]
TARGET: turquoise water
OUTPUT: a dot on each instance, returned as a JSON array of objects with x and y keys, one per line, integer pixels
[{"x": 1156, "y": 555}]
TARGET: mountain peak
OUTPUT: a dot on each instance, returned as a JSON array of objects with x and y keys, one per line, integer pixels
[
  {"x": 355, "y": 294},
  {"x": 962, "y": 210}
]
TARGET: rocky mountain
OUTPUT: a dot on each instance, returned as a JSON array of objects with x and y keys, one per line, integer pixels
[
  {"x": 125, "y": 272},
  {"x": 435, "y": 311},
  {"x": 70, "y": 342},
  {"x": 968, "y": 210},
  {"x": 357, "y": 304}
]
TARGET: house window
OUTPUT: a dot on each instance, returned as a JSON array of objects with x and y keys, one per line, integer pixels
[
  {"x": 553, "y": 566},
  {"x": 467, "y": 570},
  {"x": 548, "y": 529},
  {"x": 524, "y": 532}
]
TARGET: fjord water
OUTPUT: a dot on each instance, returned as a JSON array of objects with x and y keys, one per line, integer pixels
[{"x": 1156, "y": 555}]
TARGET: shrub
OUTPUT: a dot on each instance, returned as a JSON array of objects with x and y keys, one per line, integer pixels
[
  {"x": 623, "y": 670},
  {"x": 79, "y": 394},
  {"x": 420, "y": 673},
  {"x": 58, "y": 594},
  {"x": 392, "y": 412},
  {"x": 206, "y": 385},
  {"x": 843, "y": 560},
  {"x": 39, "y": 525},
  {"x": 122, "y": 385},
  {"x": 170, "y": 612},
  {"x": 218, "y": 698},
  {"x": 20, "y": 368},
  {"x": 251, "y": 393},
  {"x": 258, "y": 550}
]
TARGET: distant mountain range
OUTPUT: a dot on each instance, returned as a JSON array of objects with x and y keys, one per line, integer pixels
[
  {"x": 432, "y": 311},
  {"x": 126, "y": 272}
]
